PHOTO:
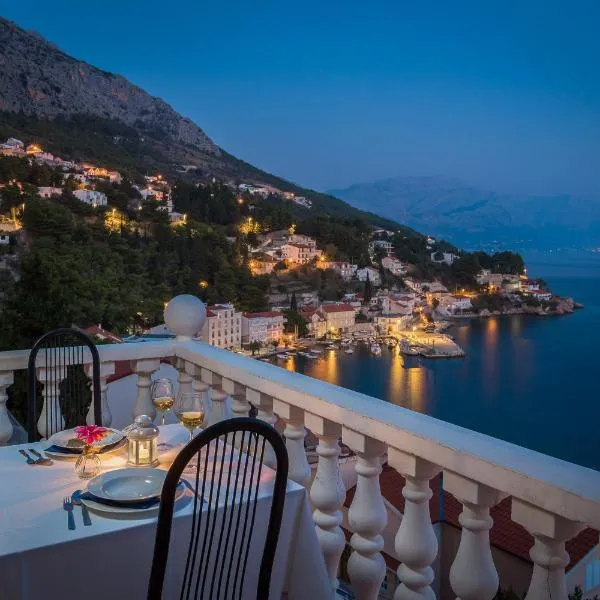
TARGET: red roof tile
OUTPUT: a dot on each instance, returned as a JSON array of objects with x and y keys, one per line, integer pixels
[
  {"x": 331, "y": 308},
  {"x": 266, "y": 314},
  {"x": 505, "y": 533}
]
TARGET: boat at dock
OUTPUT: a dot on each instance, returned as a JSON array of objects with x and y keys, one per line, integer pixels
[
  {"x": 349, "y": 351},
  {"x": 376, "y": 349}
]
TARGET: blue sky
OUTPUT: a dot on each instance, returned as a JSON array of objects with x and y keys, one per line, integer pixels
[{"x": 502, "y": 94}]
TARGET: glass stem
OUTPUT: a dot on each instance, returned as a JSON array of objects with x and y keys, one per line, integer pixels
[
  {"x": 191, "y": 434},
  {"x": 163, "y": 418}
]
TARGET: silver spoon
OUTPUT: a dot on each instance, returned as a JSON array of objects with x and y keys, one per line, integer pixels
[{"x": 85, "y": 513}]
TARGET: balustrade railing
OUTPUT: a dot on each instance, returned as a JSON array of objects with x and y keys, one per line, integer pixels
[{"x": 552, "y": 499}]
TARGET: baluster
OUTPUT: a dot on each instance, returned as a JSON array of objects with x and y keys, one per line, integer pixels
[
  {"x": 294, "y": 433},
  {"x": 264, "y": 406},
  {"x": 548, "y": 553},
  {"x": 184, "y": 378},
  {"x": 51, "y": 378},
  {"x": 199, "y": 387},
  {"x": 240, "y": 407},
  {"x": 416, "y": 543},
  {"x": 6, "y": 428},
  {"x": 218, "y": 398},
  {"x": 327, "y": 494},
  {"x": 473, "y": 575},
  {"x": 144, "y": 369},
  {"x": 106, "y": 370},
  {"x": 367, "y": 517}
]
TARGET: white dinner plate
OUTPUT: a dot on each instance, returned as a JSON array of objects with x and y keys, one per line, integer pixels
[
  {"x": 128, "y": 485},
  {"x": 131, "y": 510},
  {"x": 68, "y": 439}
]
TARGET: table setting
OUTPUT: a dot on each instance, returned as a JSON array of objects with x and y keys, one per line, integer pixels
[{"x": 90, "y": 496}]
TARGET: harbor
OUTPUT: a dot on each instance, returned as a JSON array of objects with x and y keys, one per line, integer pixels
[{"x": 428, "y": 345}]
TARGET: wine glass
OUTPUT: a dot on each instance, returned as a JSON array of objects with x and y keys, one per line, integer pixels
[
  {"x": 163, "y": 396},
  {"x": 189, "y": 409}
]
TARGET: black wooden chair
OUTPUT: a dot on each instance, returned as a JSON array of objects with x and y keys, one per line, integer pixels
[
  {"x": 63, "y": 350},
  {"x": 221, "y": 534}
]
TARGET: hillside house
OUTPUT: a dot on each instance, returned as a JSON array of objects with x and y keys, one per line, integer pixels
[
  {"x": 443, "y": 257},
  {"x": 92, "y": 197},
  {"x": 394, "y": 266},
  {"x": 370, "y": 273},
  {"x": 263, "y": 327},
  {"x": 345, "y": 269},
  {"x": 338, "y": 316},
  {"x": 48, "y": 192},
  {"x": 223, "y": 326}
]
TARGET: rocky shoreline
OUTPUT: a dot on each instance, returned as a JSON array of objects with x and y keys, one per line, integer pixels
[{"x": 562, "y": 306}]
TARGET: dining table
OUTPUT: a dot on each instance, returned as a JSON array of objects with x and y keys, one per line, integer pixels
[{"x": 42, "y": 559}]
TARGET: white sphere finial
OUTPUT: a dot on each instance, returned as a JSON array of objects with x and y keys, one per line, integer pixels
[{"x": 185, "y": 316}]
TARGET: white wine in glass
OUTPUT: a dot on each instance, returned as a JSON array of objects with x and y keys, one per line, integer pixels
[
  {"x": 163, "y": 396},
  {"x": 191, "y": 419}
]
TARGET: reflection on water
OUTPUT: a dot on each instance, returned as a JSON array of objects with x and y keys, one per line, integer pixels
[{"x": 531, "y": 381}]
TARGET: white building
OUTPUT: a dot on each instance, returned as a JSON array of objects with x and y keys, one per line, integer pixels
[
  {"x": 263, "y": 327},
  {"x": 14, "y": 143},
  {"x": 92, "y": 197},
  {"x": 446, "y": 257},
  {"x": 345, "y": 269},
  {"x": 299, "y": 253},
  {"x": 373, "y": 275},
  {"x": 48, "y": 192},
  {"x": 394, "y": 266},
  {"x": 452, "y": 305},
  {"x": 384, "y": 244},
  {"x": 338, "y": 316},
  {"x": 223, "y": 327},
  {"x": 4, "y": 239}
]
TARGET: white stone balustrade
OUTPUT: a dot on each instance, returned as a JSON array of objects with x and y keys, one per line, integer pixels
[
  {"x": 548, "y": 554},
  {"x": 51, "y": 419},
  {"x": 552, "y": 499},
  {"x": 144, "y": 369},
  {"x": 264, "y": 406},
  {"x": 367, "y": 516},
  {"x": 106, "y": 370},
  {"x": 217, "y": 397},
  {"x": 327, "y": 493},
  {"x": 416, "y": 543},
  {"x": 294, "y": 434},
  {"x": 473, "y": 575}
]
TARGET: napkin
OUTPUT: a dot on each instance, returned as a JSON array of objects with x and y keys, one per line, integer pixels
[{"x": 139, "y": 505}]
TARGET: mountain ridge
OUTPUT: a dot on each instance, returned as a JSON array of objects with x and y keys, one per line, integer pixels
[
  {"x": 448, "y": 207},
  {"x": 85, "y": 113}
]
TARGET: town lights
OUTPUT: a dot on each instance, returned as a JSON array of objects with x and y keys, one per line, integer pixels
[{"x": 203, "y": 284}]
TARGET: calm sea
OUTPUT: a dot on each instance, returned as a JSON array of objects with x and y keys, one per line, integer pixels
[{"x": 528, "y": 380}]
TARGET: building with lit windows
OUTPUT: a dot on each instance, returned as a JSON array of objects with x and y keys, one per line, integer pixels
[{"x": 223, "y": 326}]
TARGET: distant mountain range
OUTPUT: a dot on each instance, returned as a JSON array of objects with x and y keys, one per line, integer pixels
[
  {"x": 468, "y": 216},
  {"x": 81, "y": 112}
]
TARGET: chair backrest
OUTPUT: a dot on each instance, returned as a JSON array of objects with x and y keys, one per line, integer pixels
[
  {"x": 61, "y": 354},
  {"x": 223, "y": 530}
]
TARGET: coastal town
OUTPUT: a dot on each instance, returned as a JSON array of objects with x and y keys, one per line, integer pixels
[{"x": 381, "y": 301}]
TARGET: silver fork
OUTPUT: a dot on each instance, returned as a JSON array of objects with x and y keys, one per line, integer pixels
[
  {"x": 68, "y": 506},
  {"x": 40, "y": 460}
]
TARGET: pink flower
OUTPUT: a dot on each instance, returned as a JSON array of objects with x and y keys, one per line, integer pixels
[{"x": 90, "y": 433}]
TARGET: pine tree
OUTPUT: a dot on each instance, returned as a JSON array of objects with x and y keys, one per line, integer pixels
[
  {"x": 294, "y": 302},
  {"x": 368, "y": 292}
]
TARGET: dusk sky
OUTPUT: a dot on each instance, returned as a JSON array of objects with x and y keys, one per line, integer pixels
[{"x": 504, "y": 95}]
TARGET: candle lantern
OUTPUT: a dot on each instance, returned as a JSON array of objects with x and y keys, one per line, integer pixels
[{"x": 142, "y": 447}]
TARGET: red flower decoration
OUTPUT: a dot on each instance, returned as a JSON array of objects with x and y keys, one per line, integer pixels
[{"x": 90, "y": 433}]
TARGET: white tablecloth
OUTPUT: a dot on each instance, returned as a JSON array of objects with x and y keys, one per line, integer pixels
[{"x": 41, "y": 559}]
